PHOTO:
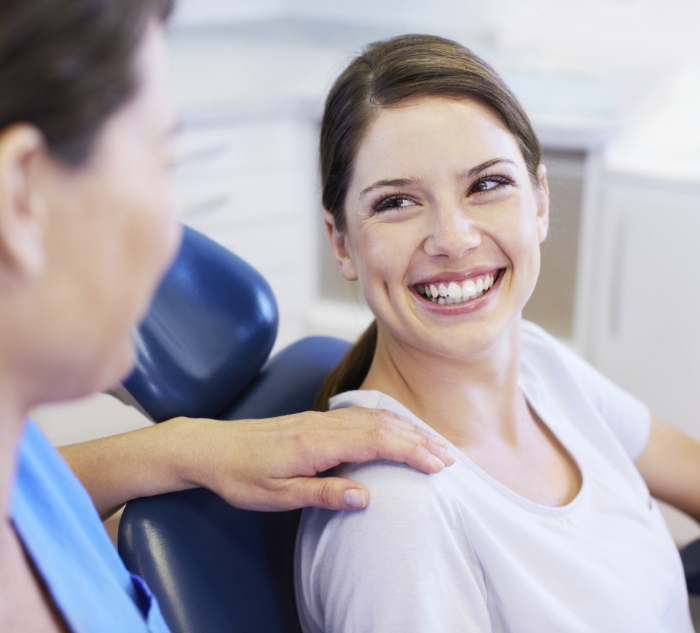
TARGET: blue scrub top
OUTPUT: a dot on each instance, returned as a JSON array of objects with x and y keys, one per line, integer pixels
[{"x": 64, "y": 536}]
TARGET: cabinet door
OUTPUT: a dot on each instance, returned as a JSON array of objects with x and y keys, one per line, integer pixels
[
  {"x": 646, "y": 299},
  {"x": 251, "y": 185}
]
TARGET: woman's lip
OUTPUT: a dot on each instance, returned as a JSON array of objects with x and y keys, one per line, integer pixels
[{"x": 459, "y": 277}]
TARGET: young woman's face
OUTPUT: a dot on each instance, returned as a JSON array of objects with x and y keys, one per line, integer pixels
[{"x": 443, "y": 225}]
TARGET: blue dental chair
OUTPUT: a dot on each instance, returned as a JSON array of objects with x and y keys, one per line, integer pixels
[{"x": 202, "y": 352}]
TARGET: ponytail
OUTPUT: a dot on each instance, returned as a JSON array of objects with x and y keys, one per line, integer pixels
[{"x": 352, "y": 371}]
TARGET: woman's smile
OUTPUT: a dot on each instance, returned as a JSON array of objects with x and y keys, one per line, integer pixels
[{"x": 458, "y": 290}]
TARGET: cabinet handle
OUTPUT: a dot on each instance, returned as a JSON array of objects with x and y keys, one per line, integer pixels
[
  {"x": 204, "y": 206},
  {"x": 618, "y": 258}
]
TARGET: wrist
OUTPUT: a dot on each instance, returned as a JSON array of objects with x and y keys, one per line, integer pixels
[{"x": 187, "y": 450}]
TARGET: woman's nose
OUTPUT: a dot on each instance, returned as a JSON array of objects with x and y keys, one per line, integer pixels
[{"x": 452, "y": 234}]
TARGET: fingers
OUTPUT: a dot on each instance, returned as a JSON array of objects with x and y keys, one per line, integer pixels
[
  {"x": 332, "y": 493},
  {"x": 387, "y": 435},
  {"x": 384, "y": 435},
  {"x": 414, "y": 450}
]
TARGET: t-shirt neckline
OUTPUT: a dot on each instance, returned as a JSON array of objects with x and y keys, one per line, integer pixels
[{"x": 532, "y": 396}]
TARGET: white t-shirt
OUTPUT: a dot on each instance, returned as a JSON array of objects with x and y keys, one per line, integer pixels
[{"x": 460, "y": 552}]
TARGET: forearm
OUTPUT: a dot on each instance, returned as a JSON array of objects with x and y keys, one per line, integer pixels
[
  {"x": 140, "y": 463},
  {"x": 254, "y": 464},
  {"x": 670, "y": 466}
]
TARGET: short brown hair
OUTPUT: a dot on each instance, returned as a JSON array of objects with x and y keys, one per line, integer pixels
[
  {"x": 386, "y": 74},
  {"x": 67, "y": 65}
]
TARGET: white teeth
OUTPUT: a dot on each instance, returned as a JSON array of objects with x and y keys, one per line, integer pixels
[
  {"x": 454, "y": 293},
  {"x": 468, "y": 289}
]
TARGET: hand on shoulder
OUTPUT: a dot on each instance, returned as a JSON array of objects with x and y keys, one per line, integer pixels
[{"x": 272, "y": 464}]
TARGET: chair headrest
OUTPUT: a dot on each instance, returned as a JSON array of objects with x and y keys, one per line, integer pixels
[{"x": 209, "y": 330}]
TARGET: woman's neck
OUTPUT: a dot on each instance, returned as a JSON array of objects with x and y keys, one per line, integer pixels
[{"x": 468, "y": 399}]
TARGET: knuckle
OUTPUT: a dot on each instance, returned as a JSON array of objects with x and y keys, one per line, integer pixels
[
  {"x": 380, "y": 434},
  {"x": 315, "y": 418},
  {"x": 324, "y": 494}
]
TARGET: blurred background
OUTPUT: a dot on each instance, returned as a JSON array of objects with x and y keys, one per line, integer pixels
[{"x": 613, "y": 88}]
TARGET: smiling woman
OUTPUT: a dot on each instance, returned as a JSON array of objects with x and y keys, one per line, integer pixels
[{"x": 436, "y": 202}]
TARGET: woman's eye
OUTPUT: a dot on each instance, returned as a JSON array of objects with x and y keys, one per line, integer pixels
[
  {"x": 489, "y": 183},
  {"x": 393, "y": 202}
]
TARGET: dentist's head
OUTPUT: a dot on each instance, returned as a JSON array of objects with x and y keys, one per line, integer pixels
[{"x": 87, "y": 225}]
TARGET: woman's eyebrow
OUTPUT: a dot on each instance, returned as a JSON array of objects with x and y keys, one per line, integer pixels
[
  {"x": 398, "y": 182},
  {"x": 479, "y": 168}
]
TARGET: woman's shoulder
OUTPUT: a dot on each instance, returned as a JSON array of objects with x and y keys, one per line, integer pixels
[{"x": 550, "y": 356}]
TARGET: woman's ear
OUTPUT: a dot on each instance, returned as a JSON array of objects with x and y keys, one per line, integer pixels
[
  {"x": 22, "y": 207},
  {"x": 338, "y": 242},
  {"x": 542, "y": 197}
]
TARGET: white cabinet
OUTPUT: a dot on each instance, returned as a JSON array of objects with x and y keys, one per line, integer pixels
[
  {"x": 249, "y": 183},
  {"x": 645, "y": 295}
]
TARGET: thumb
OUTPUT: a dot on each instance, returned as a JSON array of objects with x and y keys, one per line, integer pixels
[{"x": 332, "y": 493}]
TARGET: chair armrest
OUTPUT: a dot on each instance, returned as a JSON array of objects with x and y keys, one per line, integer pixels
[{"x": 690, "y": 555}]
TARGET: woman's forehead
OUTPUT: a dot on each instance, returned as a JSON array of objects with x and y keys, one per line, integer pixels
[{"x": 433, "y": 133}]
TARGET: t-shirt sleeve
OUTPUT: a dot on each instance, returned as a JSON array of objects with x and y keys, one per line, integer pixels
[
  {"x": 627, "y": 416},
  {"x": 402, "y": 565}
]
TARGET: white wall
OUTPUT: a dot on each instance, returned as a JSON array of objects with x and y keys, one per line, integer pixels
[
  {"x": 643, "y": 34},
  {"x": 206, "y": 12},
  {"x": 619, "y": 32},
  {"x": 445, "y": 16}
]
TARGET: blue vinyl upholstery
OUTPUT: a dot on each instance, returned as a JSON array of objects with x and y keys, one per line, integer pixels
[
  {"x": 213, "y": 567},
  {"x": 209, "y": 330},
  {"x": 690, "y": 555}
]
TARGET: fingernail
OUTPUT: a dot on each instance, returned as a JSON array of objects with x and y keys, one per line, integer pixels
[
  {"x": 439, "y": 440},
  {"x": 448, "y": 457},
  {"x": 438, "y": 463},
  {"x": 354, "y": 498}
]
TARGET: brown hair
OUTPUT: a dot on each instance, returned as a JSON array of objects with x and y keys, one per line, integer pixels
[
  {"x": 386, "y": 74},
  {"x": 67, "y": 65}
]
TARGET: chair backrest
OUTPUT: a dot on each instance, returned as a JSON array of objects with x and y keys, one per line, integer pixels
[
  {"x": 213, "y": 567},
  {"x": 200, "y": 351}
]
